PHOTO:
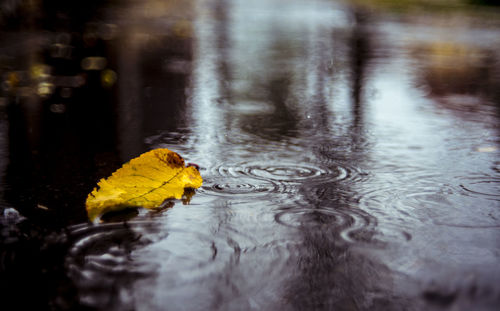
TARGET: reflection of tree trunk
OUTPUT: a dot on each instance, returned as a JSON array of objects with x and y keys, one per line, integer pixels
[
  {"x": 222, "y": 44},
  {"x": 165, "y": 86},
  {"x": 359, "y": 55},
  {"x": 332, "y": 276},
  {"x": 130, "y": 114},
  {"x": 283, "y": 116}
]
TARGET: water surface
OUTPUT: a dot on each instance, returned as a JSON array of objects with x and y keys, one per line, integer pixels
[{"x": 350, "y": 158}]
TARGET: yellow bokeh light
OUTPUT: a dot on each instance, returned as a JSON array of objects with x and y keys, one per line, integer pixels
[
  {"x": 13, "y": 79},
  {"x": 94, "y": 63},
  {"x": 108, "y": 78},
  {"x": 45, "y": 89},
  {"x": 39, "y": 71}
]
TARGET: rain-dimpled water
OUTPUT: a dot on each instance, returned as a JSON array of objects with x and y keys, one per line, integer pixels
[{"x": 349, "y": 155}]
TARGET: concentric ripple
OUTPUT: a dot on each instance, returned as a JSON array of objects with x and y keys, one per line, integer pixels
[
  {"x": 105, "y": 261},
  {"x": 350, "y": 224},
  {"x": 404, "y": 205},
  {"x": 250, "y": 180},
  {"x": 120, "y": 248},
  {"x": 398, "y": 210},
  {"x": 240, "y": 188},
  {"x": 106, "y": 247},
  {"x": 488, "y": 188},
  {"x": 294, "y": 173},
  {"x": 439, "y": 204},
  {"x": 230, "y": 181}
]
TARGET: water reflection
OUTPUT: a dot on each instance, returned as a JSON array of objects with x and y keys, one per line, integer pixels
[
  {"x": 459, "y": 77},
  {"x": 47, "y": 127},
  {"x": 348, "y": 163},
  {"x": 88, "y": 94}
]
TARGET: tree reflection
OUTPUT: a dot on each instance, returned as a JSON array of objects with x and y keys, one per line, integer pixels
[
  {"x": 332, "y": 275},
  {"x": 275, "y": 90},
  {"x": 359, "y": 56},
  {"x": 458, "y": 76}
]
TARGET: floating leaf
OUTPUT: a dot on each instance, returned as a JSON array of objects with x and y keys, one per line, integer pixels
[{"x": 146, "y": 181}]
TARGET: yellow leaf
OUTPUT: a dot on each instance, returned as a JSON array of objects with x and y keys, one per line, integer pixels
[{"x": 146, "y": 181}]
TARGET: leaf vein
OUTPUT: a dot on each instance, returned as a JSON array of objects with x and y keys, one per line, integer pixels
[{"x": 153, "y": 190}]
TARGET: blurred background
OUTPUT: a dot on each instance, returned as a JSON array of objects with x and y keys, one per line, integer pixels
[{"x": 365, "y": 125}]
